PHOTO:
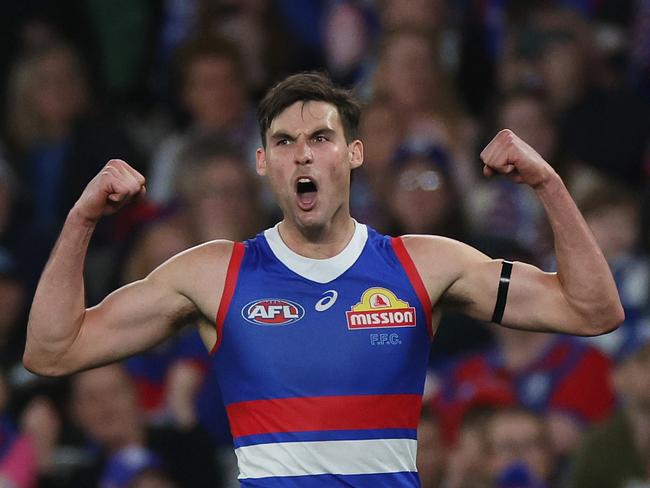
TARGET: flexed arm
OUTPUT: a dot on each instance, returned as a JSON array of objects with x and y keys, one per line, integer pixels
[
  {"x": 581, "y": 298},
  {"x": 62, "y": 335}
]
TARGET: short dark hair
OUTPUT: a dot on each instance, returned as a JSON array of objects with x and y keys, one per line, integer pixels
[{"x": 305, "y": 87}]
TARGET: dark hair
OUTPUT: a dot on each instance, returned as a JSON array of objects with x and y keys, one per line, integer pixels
[{"x": 305, "y": 87}]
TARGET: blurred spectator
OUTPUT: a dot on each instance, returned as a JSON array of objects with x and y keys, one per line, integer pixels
[
  {"x": 41, "y": 421},
  {"x": 57, "y": 141},
  {"x": 18, "y": 455},
  {"x": 380, "y": 130},
  {"x": 430, "y": 453},
  {"x": 549, "y": 48},
  {"x": 409, "y": 74},
  {"x": 423, "y": 198},
  {"x": 616, "y": 454},
  {"x": 567, "y": 53},
  {"x": 215, "y": 99},
  {"x": 538, "y": 371},
  {"x": 105, "y": 407},
  {"x": 604, "y": 125},
  {"x": 519, "y": 451},
  {"x": 30, "y": 24},
  {"x": 467, "y": 464},
  {"x": 254, "y": 26}
]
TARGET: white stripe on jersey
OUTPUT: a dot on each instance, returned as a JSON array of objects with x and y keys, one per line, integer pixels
[{"x": 322, "y": 457}]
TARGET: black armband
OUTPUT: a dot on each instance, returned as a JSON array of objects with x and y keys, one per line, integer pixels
[{"x": 502, "y": 292}]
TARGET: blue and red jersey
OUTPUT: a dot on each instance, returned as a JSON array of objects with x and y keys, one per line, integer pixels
[{"x": 322, "y": 363}]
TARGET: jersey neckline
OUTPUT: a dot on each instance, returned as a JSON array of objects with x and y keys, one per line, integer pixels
[{"x": 318, "y": 270}]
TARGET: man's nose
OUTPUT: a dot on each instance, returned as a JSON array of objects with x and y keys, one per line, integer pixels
[{"x": 303, "y": 154}]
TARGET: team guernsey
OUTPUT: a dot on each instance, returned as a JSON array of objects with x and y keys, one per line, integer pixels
[{"x": 321, "y": 362}]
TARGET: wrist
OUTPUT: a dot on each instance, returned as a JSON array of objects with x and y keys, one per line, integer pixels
[
  {"x": 77, "y": 217},
  {"x": 550, "y": 186}
]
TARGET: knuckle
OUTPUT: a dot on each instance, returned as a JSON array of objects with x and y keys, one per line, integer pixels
[{"x": 114, "y": 162}]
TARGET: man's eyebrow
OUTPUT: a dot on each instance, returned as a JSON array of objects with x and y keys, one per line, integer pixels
[
  {"x": 281, "y": 135},
  {"x": 326, "y": 131}
]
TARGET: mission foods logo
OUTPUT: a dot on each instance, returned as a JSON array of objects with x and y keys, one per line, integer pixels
[
  {"x": 272, "y": 312},
  {"x": 380, "y": 308}
]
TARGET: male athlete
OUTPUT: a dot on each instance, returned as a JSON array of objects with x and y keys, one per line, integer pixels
[{"x": 320, "y": 326}]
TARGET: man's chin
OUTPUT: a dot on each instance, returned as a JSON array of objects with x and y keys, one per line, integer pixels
[
  {"x": 310, "y": 222},
  {"x": 309, "y": 219}
]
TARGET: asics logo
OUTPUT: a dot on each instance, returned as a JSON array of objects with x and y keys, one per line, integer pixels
[{"x": 327, "y": 301}]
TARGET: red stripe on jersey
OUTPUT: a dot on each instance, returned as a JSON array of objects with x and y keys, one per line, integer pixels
[
  {"x": 228, "y": 290},
  {"x": 324, "y": 413},
  {"x": 413, "y": 275}
]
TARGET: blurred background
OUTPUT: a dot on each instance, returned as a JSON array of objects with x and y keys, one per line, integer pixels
[{"x": 171, "y": 87}]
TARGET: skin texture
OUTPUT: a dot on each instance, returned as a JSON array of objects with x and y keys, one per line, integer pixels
[{"x": 307, "y": 140}]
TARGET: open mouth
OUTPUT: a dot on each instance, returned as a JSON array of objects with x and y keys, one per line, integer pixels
[{"x": 306, "y": 191}]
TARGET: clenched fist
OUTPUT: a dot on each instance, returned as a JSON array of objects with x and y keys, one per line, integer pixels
[
  {"x": 114, "y": 186},
  {"x": 508, "y": 155}
]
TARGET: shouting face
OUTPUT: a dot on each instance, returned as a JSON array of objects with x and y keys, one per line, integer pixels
[{"x": 308, "y": 162}]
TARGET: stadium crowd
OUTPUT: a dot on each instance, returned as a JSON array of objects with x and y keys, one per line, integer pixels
[{"x": 171, "y": 87}]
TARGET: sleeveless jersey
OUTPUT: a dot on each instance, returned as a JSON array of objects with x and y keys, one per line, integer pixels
[{"x": 321, "y": 362}]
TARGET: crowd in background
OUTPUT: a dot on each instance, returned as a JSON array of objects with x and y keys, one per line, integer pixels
[{"x": 171, "y": 87}]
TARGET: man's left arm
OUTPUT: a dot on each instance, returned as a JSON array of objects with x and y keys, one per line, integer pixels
[{"x": 581, "y": 298}]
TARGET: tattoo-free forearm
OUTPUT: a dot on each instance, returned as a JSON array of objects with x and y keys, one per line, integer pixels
[
  {"x": 58, "y": 307},
  {"x": 583, "y": 272}
]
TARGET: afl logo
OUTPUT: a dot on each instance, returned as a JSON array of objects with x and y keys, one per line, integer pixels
[{"x": 272, "y": 312}]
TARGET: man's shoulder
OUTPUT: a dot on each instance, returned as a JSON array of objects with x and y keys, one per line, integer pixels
[
  {"x": 439, "y": 250},
  {"x": 212, "y": 253}
]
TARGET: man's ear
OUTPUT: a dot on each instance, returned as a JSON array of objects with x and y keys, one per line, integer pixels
[
  {"x": 260, "y": 161},
  {"x": 356, "y": 153}
]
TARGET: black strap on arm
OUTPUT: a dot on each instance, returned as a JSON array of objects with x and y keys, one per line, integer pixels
[{"x": 502, "y": 292}]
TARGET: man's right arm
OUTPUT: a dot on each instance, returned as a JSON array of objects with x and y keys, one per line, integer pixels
[{"x": 62, "y": 335}]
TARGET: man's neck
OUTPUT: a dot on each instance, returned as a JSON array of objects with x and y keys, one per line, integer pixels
[{"x": 317, "y": 243}]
